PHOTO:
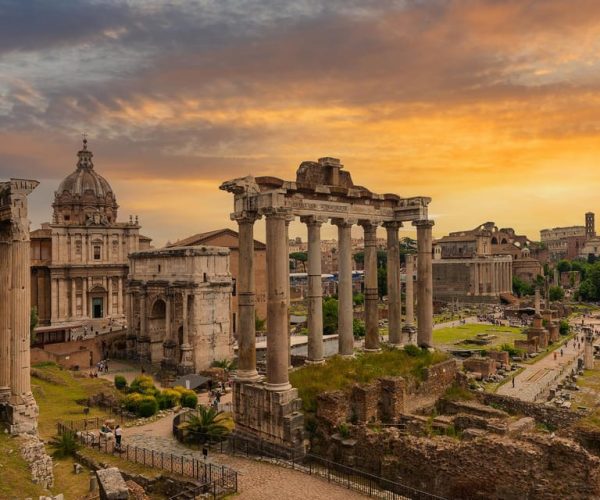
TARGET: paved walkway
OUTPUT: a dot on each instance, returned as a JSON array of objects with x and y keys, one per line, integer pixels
[
  {"x": 536, "y": 378},
  {"x": 257, "y": 480}
]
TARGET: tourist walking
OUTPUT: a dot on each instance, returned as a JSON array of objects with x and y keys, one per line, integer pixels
[{"x": 118, "y": 434}]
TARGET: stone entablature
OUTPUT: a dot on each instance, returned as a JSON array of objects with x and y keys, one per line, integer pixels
[{"x": 179, "y": 307}]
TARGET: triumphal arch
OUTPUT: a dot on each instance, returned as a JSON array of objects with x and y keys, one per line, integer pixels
[
  {"x": 322, "y": 192},
  {"x": 18, "y": 409}
]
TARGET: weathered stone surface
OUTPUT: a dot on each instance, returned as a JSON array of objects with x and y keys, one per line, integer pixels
[
  {"x": 112, "y": 485},
  {"x": 525, "y": 424},
  {"x": 485, "y": 366},
  {"x": 40, "y": 464},
  {"x": 501, "y": 357}
]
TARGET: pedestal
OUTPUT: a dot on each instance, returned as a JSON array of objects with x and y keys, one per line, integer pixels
[
  {"x": 272, "y": 418},
  {"x": 20, "y": 417},
  {"x": 186, "y": 366}
]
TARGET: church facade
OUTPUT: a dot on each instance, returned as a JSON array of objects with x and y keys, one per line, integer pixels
[{"x": 79, "y": 261}]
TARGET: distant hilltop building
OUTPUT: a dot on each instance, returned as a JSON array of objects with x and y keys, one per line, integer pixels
[
  {"x": 79, "y": 261},
  {"x": 573, "y": 241}
]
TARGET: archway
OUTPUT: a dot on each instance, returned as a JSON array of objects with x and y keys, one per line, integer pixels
[{"x": 97, "y": 298}]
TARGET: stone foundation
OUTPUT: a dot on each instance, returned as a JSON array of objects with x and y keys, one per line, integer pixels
[
  {"x": 20, "y": 418},
  {"x": 273, "y": 417},
  {"x": 484, "y": 366},
  {"x": 40, "y": 464}
]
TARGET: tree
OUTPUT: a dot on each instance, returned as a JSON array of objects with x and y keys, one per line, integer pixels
[
  {"x": 382, "y": 282},
  {"x": 330, "y": 316},
  {"x": 563, "y": 266},
  {"x": 259, "y": 324},
  {"x": 301, "y": 257},
  {"x": 522, "y": 288},
  {"x": 358, "y": 328},
  {"x": 359, "y": 257},
  {"x": 206, "y": 426},
  {"x": 556, "y": 293},
  {"x": 591, "y": 258}
]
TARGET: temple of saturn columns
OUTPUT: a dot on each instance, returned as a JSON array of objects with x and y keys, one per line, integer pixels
[
  {"x": 18, "y": 409},
  {"x": 322, "y": 192}
]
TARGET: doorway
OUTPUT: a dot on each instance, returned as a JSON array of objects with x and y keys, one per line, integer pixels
[{"x": 97, "y": 307}]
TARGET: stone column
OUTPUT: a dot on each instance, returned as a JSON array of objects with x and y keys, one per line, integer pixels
[
  {"x": 120, "y": 296},
  {"x": 73, "y": 298},
  {"x": 371, "y": 296},
  {"x": 246, "y": 300},
  {"x": 393, "y": 283},
  {"x": 109, "y": 302},
  {"x": 53, "y": 300},
  {"x": 288, "y": 221},
  {"x": 277, "y": 295},
  {"x": 84, "y": 297},
  {"x": 537, "y": 301},
  {"x": 5, "y": 315},
  {"x": 315, "y": 291},
  {"x": 345, "y": 299},
  {"x": 409, "y": 325},
  {"x": 186, "y": 363},
  {"x": 21, "y": 310},
  {"x": 424, "y": 284},
  {"x": 475, "y": 278},
  {"x": 167, "y": 317}
]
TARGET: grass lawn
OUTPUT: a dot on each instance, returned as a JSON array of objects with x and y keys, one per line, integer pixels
[
  {"x": 57, "y": 392},
  {"x": 339, "y": 373},
  {"x": 15, "y": 478},
  {"x": 448, "y": 338}
]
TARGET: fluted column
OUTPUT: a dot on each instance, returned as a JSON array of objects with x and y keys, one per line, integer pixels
[
  {"x": 84, "y": 297},
  {"x": 424, "y": 284},
  {"x": 315, "y": 291},
  {"x": 20, "y": 306},
  {"x": 109, "y": 302},
  {"x": 246, "y": 300},
  {"x": 371, "y": 296},
  {"x": 393, "y": 283},
  {"x": 409, "y": 325},
  {"x": 345, "y": 300},
  {"x": 5, "y": 314},
  {"x": 277, "y": 295},
  {"x": 73, "y": 298}
]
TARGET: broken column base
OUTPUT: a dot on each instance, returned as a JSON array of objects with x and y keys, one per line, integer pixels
[
  {"x": 271, "y": 421},
  {"x": 20, "y": 417}
]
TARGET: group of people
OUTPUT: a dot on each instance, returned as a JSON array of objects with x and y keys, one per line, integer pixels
[
  {"x": 108, "y": 432},
  {"x": 101, "y": 367}
]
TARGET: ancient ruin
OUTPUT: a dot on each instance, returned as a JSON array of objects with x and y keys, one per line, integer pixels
[
  {"x": 178, "y": 307},
  {"x": 18, "y": 409},
  {"x": 322, "y": 192}
]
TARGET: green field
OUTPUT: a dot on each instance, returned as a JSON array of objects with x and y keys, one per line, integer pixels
[{"x": 449, "y": 338}]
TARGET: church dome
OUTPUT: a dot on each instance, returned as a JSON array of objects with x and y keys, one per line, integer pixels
[{"x": 84, "y": 196}]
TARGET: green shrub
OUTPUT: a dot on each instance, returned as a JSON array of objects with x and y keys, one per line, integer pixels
[
  {"x": 344, "y": 430},
  {"x": 358, "y": 328},
  {"x": 132, "y": 402},
  {"x": 412, "y": 350},
  {"x": 147, "y": 406},
  {"x": 144, "y": 385},
  {"x": 65, "y": 445},
  {"x": 120, "y": 382},
  {"x": 564, "y": 328},
  {"x": 188, "y": 398},
  {"x": 168, "y": 398}
]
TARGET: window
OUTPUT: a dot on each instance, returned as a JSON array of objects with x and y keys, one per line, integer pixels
[
  {"x": 159, "y": 268},
  {"x": 97, "y": 252}
]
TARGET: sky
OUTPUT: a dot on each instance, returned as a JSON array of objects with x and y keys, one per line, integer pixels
[{"x": 491, "y": 108}]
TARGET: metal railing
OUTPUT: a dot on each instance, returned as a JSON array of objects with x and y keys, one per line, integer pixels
[
  {"x": 347, "y": 477},
  {"x": 213, "y": 479}
]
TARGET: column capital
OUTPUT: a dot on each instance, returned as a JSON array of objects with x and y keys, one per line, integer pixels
[
  {"x": 392, "y": 224},
  {"x": 344, "y": 222},
  {"x": 313, "y": 220},
  {"x": 368, "y": 224},
  {"x": 278, "y": 213},
  {"x": 423, "y": 223},
  {"x": 245, "y": 217}
]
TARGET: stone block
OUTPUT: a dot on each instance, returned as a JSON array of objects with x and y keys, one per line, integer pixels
[
  {"x": 530, "y": 346},
  {"x": 501, "y": 357},
  {"x": 392, "y": 395},
  {"x": 525, "y": 424},
  {"x": 112, "y": 485},
  {"x": 364, "y": 401},
  {"x": 485, "y": 366}
]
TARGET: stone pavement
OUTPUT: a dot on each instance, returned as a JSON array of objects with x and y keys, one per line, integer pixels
[
  {"x": 536, "y": 378},
  {"x": 257, "y": 480}
]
